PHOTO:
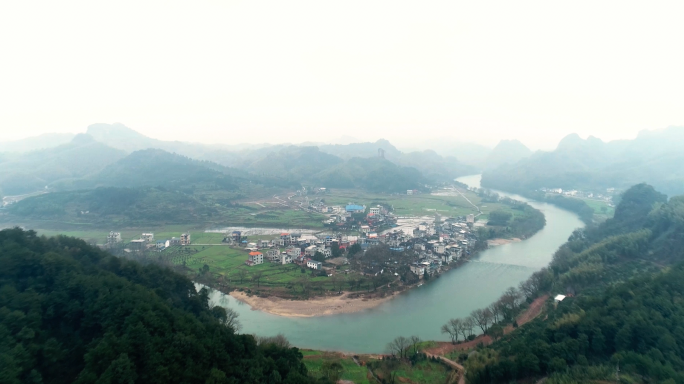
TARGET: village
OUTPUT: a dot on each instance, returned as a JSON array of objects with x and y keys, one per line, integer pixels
[{"x": 360, "y": 240}]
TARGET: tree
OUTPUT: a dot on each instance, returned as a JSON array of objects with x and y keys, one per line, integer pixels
[
  {"x": 446, "y": 328},
  {"x": 499, "y": 217},
  {"x": 279, "y": 341},
  {"x": 426, "y": 275},
  {"x": 467, "y": 327},
  {"x": 453, "y": 327},
  {"x": 335, "y": 249},
  {"x": 332, "y": 370},
  {"x": 398, "y": 346},
  {"x": 256, "y": 277},
  {"x": 482, "y": 318},
  {"x": 318, "y": 256},
  {"x": 496, "y": 331},
  {"x": 205, "y": 269},
  {"x": 242, "y": 274},
  {"x": 337, "y": 282},
  {"x": 414, "y": 340},
  {"x": 231, "y": 320},
  {"x": 354, "y": 249},
  {"x": 120, "y": 371}
]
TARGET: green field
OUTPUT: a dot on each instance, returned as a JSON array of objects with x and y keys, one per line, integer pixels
[
  {"x": 423, "y": 372},
  {"x": 352, "y": 372},
  {"x": 226, "y": 262},
  {"x": 600, "y": 207},
  {"x": 414, "y": 205}
]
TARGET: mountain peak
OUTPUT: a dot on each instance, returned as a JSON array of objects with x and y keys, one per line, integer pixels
[{"x": 570, "y": 141}]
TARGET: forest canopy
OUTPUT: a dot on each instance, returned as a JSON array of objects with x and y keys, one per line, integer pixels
[{"x": 70, "y": 313}]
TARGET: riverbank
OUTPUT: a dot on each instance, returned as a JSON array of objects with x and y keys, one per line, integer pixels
[
  {"x": 495, "y": 242},
  {"x": 318, "y": 306}
]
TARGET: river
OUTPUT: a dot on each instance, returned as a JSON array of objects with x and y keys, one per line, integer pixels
[{"x": 422, "y": 311}]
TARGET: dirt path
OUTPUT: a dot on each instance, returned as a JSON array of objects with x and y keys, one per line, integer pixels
[
  {"x": 530, "y": 313},
  {"x": 458, "y": 367}
]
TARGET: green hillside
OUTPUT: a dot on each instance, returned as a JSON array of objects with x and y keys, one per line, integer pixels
[
  {"x": 28, "y": 172},
  {"x": 624, "y": 303},
  {"x": 70, "y": 313},
  {"x": 654, "y": 157}
]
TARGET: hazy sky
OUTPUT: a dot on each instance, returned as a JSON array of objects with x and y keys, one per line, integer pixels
[{"x": 257, "y": 71}]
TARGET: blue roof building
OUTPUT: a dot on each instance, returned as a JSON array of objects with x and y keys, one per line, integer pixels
[{"x": 355, "y": 208}]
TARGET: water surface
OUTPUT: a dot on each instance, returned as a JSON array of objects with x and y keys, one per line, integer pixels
[{"x": 422, "y": 311}]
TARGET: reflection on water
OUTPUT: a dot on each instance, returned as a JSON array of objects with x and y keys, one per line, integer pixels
[{"x": 421, "y": 311}]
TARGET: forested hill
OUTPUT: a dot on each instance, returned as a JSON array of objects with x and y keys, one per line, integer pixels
[
  {"x": 155, "y": 167},
  {"x": 624, "y": 303},
  {"x": 70, "y": 313},
  {"x": 654, "y": 157}
]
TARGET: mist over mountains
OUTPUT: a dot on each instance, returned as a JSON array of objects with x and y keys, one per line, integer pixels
[
  {"x": 654, "y": 157},
  {"x": 86, "y": 161}
]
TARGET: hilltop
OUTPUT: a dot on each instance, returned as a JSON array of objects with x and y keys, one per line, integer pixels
[
  {"x": 653, "y": 157},
  {"x": 71, "y": 313},
  {"x": 28, "y": 172}
]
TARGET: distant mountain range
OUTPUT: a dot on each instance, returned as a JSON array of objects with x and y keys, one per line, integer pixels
[
  {"x": 654, "y": 157},
  {"x": 48, "y": 140},
  {"x": 110, "y": 155},
  {"x": 32, "y": 171}
]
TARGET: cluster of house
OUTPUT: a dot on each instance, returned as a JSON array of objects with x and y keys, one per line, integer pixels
[
  {"x": 146, "y": 241},
  {"x": 292, "y": 248},
  {"x": 432, "y": 246},
  {"x": 608, "y": 196}
]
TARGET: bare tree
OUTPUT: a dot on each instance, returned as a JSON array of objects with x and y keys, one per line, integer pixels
[
  {"x": 256, "y": 277},
  {"x": 510, "y": 301},
  {"x": 278, "y": 340},
  {"x": 398, "y": 346},
  {"x": 242, "y": 273},
  {"x": 453, "y": 327},
  {"x": 414, "y": 340},
  {"x": 231, "y": 320},
  {"x": 527, "y": 288},
  {"x": 495, "y": 310},
  {"x": 305, "y": 284},
  {"x": 482, "y": 318},
  {"x": 467, "y": 327},
  {"x": 337, "y": 282},
  {"x": 446, "y": 328}
]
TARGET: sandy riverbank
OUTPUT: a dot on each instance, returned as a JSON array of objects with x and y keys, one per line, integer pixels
[
  {"x": 319, "y": 306},
  {"x": 495, "y": 242}
]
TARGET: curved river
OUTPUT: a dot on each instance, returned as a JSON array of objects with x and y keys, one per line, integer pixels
[{"x": 421, "y": 311}]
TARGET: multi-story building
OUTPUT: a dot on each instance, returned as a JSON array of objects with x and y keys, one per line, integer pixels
[
  {"x": 185, "y": 239},
  {"x": 113, "y": 237},
  {"x": 255, "y": 258}
]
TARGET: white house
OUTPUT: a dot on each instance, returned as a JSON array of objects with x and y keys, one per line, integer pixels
[
  {"x": 375, "y": 211},
  {"x": 113, "y": 237},
  {"x": 327, "y": 252},
  {"x": 293, "y": 252},
  {"x": 439, "y": 248},
  {"x": 310, "y": 250},
  {"x": 255, "y": 258},
  {"x": 148, "y": 237},
  {"x": 185, "y": 239},
  {"x": 273, "y": 255},
  {"x": 365, "y": 229},
  {"x": 418, "y": 270},
  {"x": 313, "y": 264}
]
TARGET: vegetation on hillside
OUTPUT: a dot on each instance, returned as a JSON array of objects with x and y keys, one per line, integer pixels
[
  {"x": 592, "y": 165},
  {"x": 621, "y": 306},
  {"x": 32, "y": 171},
  {"x": 70, "y": 313}
]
